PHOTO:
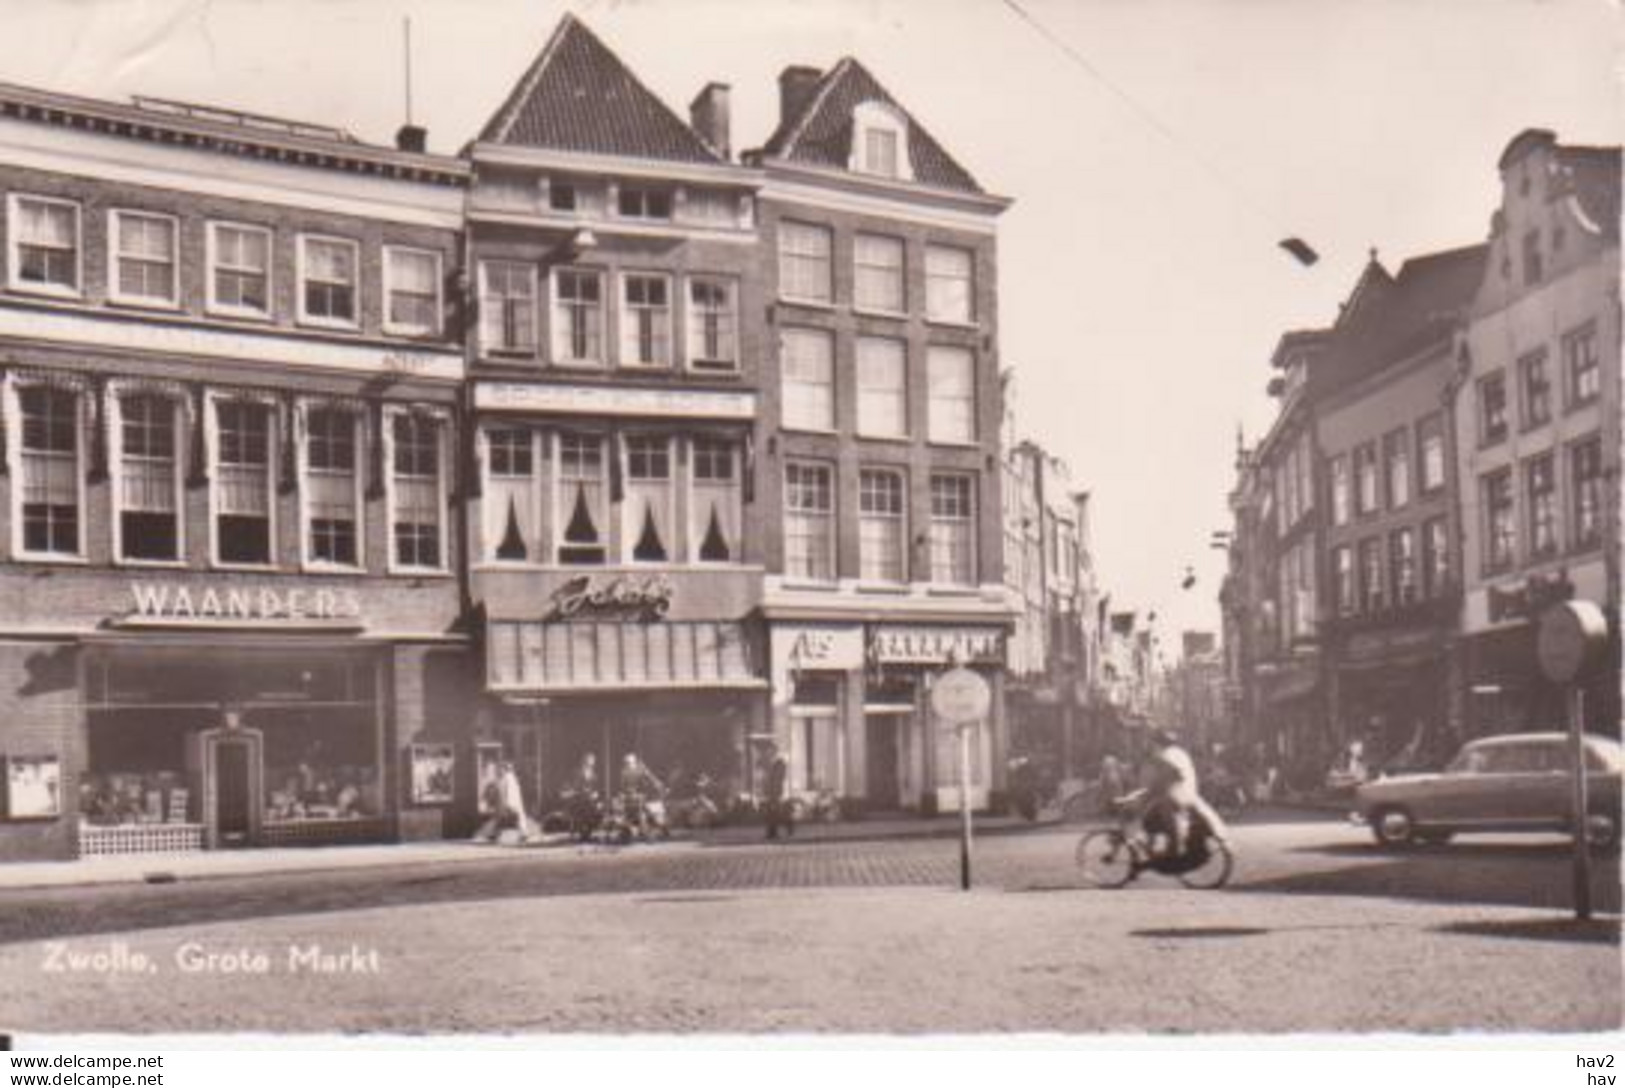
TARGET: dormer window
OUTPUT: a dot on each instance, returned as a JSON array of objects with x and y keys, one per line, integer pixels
[{"x": 880, "y": 141}]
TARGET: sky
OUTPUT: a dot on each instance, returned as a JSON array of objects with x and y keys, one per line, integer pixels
[{"x": 1141, "y": 288}]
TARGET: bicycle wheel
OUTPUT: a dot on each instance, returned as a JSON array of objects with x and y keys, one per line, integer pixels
[
  {"x": 1106, "y": 858},
  {"x": 1214, "y": 871}
]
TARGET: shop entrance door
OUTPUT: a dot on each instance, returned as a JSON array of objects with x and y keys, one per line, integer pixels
[
  {"x": 881, "y": 760},
  {"x": 235, "y": 794}
]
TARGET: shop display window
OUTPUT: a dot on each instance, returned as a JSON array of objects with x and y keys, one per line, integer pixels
[
  {"x": 33, "y": 787},
  {"x": 130, "y": 798},
  {"x": 319, "y": 764}
]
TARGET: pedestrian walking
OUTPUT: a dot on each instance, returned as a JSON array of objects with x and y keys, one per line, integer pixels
[{"x": 778, "y": 811}]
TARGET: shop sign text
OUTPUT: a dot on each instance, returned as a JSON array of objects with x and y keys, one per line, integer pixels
[
  {"x": 934, "y": 646},
  {"x": 161, "y": 600},
  {"x": 643, "y": 600}
]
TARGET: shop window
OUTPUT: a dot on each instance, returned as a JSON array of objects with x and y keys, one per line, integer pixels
[
  {"x": 950, "y": 283},
  {"x": 1586, "y": 480},
  {"x": 882, "y": 388},
  {"x": 809, "y": 521},
  {"x": 951, "y": 389},
  {"x": 239, "y": 270},
  {"x": 411, "y": 291},
  {"x": 881, "y": 526},
  {"x": 878, "y": 262},
  {"x": 648, "y": 505},
  {"x": 332, "y": 485},
  {"x": 712, "y": 324},
  {"x": 143, "y": 259},
  {"x": 578, "y": 317},
  {"x": 148, "y": 484},
  {"x": 953, "y": 530},
  {"x": 1536, "y": 389},
  {"x": 1500, "y": 529},
  {"x": 808, "y": 369},
  {"x": 320, "y": 765},
  {"x": 645, "y": 320},
  {"x": 48, "y": 503},
  {"x": 417, "y": 500},
  {"x": 241, "y": 482},
  {"x": 44, "y": 250},
  {"x": 715, "y": 503},
  {"x": 507, "y": 308},
  {"x": 581, "y": 499},
  {"x": 1540, "y": 493},
  {"x": 509, "y": 494},
  {"x": 805, "y": 262},
  {"x": 328, "y": 281},
  {"x": 1435, "y": 557}
]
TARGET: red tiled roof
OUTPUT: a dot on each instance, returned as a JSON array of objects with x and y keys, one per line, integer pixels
[
  {"x": 579, "y": 96},
  {"x": 821, "y": 134}
]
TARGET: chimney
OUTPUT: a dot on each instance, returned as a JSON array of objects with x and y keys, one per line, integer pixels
[
  {"x": 796, "y": 85},
  {"x": 412, "y": 138},
  {"x": 708, "y": 115}
]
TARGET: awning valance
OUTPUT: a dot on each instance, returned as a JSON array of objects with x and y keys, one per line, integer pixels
[{"x": 526, "y": 656}]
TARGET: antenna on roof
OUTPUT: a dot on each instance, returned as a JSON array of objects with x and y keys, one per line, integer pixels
[
  {"x": 411, "y": 136},
  {"x": 406, "y": 27}
]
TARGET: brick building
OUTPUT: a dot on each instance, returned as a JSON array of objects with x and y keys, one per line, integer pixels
[
  {"x": 881, "y": 443},
  {"x": 229, "y": 378},
  {"x": 614, "y": 367}
]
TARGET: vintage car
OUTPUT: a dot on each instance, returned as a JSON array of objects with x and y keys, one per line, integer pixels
[{"x": 1517, "y": 782}]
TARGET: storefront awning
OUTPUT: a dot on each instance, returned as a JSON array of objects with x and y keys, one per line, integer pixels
[{"x": 530, "y": 657}]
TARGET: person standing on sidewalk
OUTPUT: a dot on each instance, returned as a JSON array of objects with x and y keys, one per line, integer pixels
[{"x": 777, "y": 798}]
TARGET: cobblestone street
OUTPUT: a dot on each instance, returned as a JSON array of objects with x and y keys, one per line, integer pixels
[{"x": 1320, "y": 932}]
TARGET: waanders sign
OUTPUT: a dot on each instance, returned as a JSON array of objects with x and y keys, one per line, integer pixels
[{"x": 164, "y": 601}]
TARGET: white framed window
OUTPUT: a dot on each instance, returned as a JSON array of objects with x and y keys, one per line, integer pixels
[
  {"x": 953, "y": 529},
  {"x": 878, "y": 274},
  {"x": 1338, "y": 468},
  {"x": 880, "y": 141},
  {"x": 239, "y": 259},
  {"x": 1366, "y": 488},
  {"x": 1580, "y": 360},
  {"x": 1500, "y": 524},
  {"x": 645, "y": 319},
  {"x": 1396, "y": 453},
  {"x": 1402, "y": 571},
  {"x": 882, "y": 527},
  {"x": 807, "y": 365},
  {"x": 509, "y": 490},
  {"x": 45, "y": 252},
  {"x": 882, "y": 387},
  {"x": 578, "y": 317},
  {"x": 1435, "y": 557},
  {"x": 411, "y": 291},
  {"x": 1343, "y": 579},
  {"x": 809, "y": 520},
  {"x": 649, "y": 505},
  {"x": 713, "y": 323},
  {"x": 242, "y": 460},
  {"x": 951, "y": 388},
  {"x": 715, "y": 500},
  {"x": 1540, "y": 503},
  {"x": 805, "y": 262},
  {"x": 581, "y": 498},
  {"x": 146, "y": 470},
  {"x": 142, "y": 259},
  {"x": 1430, "y": 443},
  {"x": 329, "y": 283},
  {"x": 1373, "y": 590},
  {"x": 48, "y": 458},
  {"x": 1586, "y": 493},
  {"x": 417, "y": 490},
  {"x": 330, "y": 478},
  {"x": 507, "y": 308},
  {"x": 950, "y": 285}
]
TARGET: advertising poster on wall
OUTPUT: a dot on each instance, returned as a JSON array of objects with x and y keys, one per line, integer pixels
[
  {"x": 33, "y": 787},
  {"x": 432, "y": 766}
]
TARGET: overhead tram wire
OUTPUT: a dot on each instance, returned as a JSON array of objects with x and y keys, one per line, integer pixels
[{"x": 1300, "y": 250}]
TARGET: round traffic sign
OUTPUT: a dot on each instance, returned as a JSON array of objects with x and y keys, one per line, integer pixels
[
  {"x": 1571, "y": 633},
  {"x": 961, "y": 697}
]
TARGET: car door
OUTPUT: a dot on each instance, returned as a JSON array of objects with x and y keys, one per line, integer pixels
[
  {"x": 1534, "y": 775},
  {"x": 1454, "y": 796}
]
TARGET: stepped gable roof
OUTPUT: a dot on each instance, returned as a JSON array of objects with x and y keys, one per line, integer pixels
[
  {"x": 579, "y": 96},
  {"x": 1419, "y": 306},
  {"x": 821, "y": 134}
]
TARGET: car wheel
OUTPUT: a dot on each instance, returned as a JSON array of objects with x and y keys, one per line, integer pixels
[
  {"x": 1393, "y": 826},
  {"x": 1602, "y": 830}
]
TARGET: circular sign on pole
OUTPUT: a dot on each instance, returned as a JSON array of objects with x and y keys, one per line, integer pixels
[
  {"x": 961, "y": 697},
  {"x": 1571, "y": 635}
]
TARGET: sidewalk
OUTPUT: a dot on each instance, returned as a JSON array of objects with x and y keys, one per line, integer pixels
[{"x": 167, "y": 868}]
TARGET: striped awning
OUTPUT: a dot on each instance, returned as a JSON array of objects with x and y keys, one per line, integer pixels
[{"x": 531, "y": 657}]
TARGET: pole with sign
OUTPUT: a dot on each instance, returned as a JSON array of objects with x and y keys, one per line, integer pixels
[
  {"x": 961, "y": 699},
  {"x": 1572, "y": 636}
]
